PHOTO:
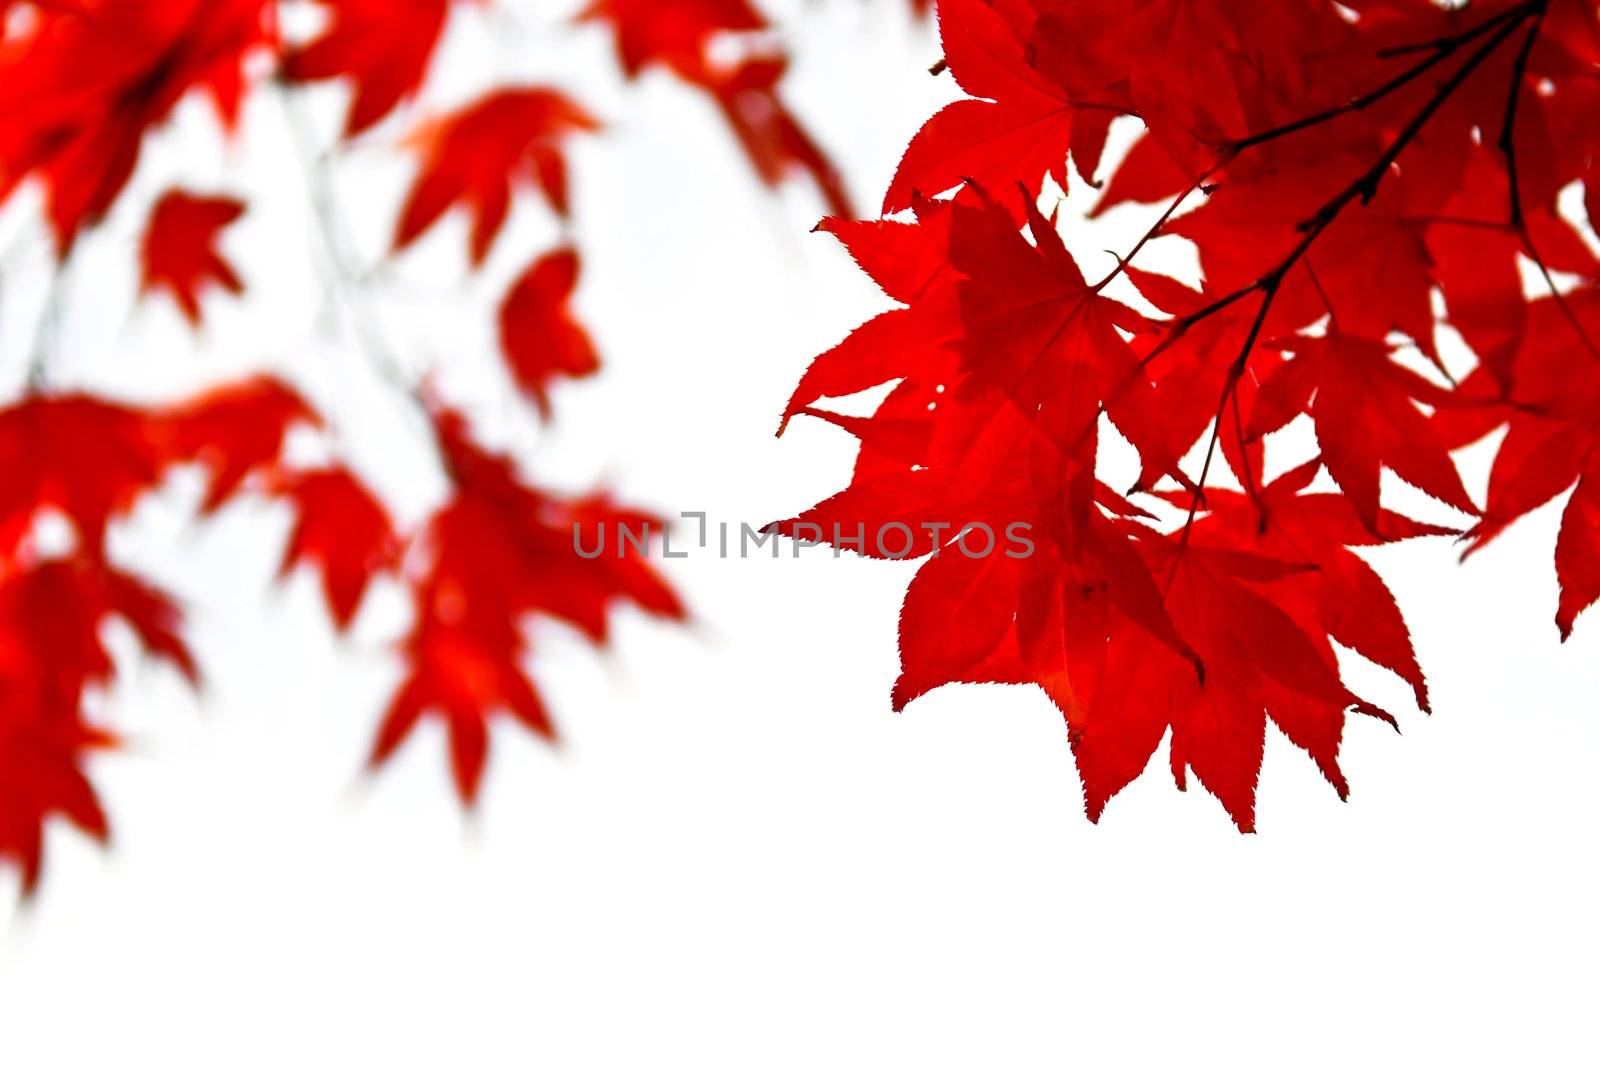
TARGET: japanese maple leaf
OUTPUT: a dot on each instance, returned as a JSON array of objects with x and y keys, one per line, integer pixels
[
  {"x": 476, "y": 156},
  {"x": 496, "y": 553},
  {"x": 179, "y": 254},
  {"x": 1477, "y": 258},
  {"x": 1266, "y": 655},
  {"x": 1181, "y": 65},
  {"x": 88, "y": 459},
  {"x": 1020, "y": 131},
  {"x": 674, "y": 33},
  {"x": 52, "y": 651},
  {"x": 1364, "y": 407},
  {"x": 42, "y": 777},
  {"x": 1339, "y": 591},
  {"x": 1038, "y": 331},
  {"x": 771, "y": 136},
  {"x": 539, "y": 335},
  {"x": 911, "y": 262},
  {"x": 342, "y": 531},
  {"x": 78, "y": 95},
  {"x": 1261, "y": 585},
  {"x": 382, "y": 46},
  {"x": 234, "y": 432},
  {"x": 678, "y": 35},
  {"x": 1039, "y": 614},
  {"x": 1552, "y": 420}
]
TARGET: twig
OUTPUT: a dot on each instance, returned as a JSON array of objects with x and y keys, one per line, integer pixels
[
  {"x": 47, "y": 331},
  {"x": 1508, "y": 149},
  {"x": 1155, "y": 229},
  {"x": 1442, "y": 48},
  {"x": 382, "y": 357}
]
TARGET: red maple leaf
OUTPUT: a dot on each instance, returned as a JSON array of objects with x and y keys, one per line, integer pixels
[
  {"x": 234, "y": 432},
  {"x": 497, "y": 553},
  {"x": 179, "y": 254},
  {"x": 1365, "y": 409},
  {"x": 539, "y": 335},
  {"x": 673, "y": 33},
  {"x": 476, "y": 156},
  {"x": 1019, "y": 132},
  {"x": 42, "y": 777},
  {"x": 679, "y": 34},
  {"x": 342, "y": 531},
  {"x": 1552, "y": 420},
  {"x": 86, "y": 459},
  {"x": 52, "y": 617},
  {"x": 382, "y": 46},
  {"x": 770, "y": 134}
]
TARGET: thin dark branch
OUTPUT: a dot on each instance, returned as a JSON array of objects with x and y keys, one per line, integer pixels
[
  {"x": 1508, "y": 148},
  {"x": 1327, "y": 302},
  {"x": 1235, "y": 373},
  {"x": 1557, "y": 296},
  {"x": 1155, "y": 229}
]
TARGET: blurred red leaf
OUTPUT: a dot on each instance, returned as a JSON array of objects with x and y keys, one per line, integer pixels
[
  {"x": 497, "y": 553},
  {"x": 179, "y": 254},
  {"x": 477, "y": 156},
  {"x": 88, "y": 459},
  {"x": 342, "y": 531},
  {"x": 382, "y": 46},
  {"x": 235, "y": 432},
  {"x": 679, "y": 35},
  {"x": 539, "y": 335},
  {"x": 673, "y": 33},
  {"x": 52, "y": 652}
]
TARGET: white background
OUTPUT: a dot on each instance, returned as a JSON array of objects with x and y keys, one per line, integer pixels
[{"x": 739, "y": 858}]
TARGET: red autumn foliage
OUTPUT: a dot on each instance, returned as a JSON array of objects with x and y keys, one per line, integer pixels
[
  {"x": 81, "y": 88},
  {"x": 87, "y": 462},
  {"x": 381, "y": 47},
  {"x": 83, "y": 84},
  {"x": 678, "y": 35},
  {"x": 477, "y": 156},
  {"x": 1341, "y": 172},
  {"x": 498, "y": 552}
]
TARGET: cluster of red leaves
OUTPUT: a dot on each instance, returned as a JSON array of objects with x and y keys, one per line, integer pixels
[
  {"x": 1340, "y": 170},
  {"x": 83, "y": 81},
  {"x": 82, "y": 84},
  {"x": 498, "y": 552},
  {"x": 86, "y": 463}
]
